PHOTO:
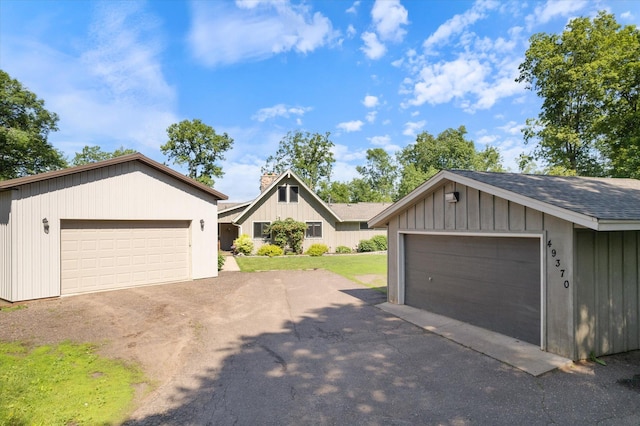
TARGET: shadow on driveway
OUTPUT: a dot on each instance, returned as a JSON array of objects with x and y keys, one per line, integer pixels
[{"x": 316, "y": 351}]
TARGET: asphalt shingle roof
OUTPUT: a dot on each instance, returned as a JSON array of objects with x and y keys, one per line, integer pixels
[
  {"x": 360, "y": 212},
  {"x": 601, "y": 198}
]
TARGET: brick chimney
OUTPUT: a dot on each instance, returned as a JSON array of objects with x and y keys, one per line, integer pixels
[{"x": 266, "y": 180}]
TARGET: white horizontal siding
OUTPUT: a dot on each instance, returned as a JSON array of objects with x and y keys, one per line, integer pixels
[{"x": 127, "y": 191}]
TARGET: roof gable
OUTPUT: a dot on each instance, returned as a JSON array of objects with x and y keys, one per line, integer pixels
[
  {"x": 596, "y": 203},
  {"x": 14, "y": 183},
  {"x": 264, "y": 194}
]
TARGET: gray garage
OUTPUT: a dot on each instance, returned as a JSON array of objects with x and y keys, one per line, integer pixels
[{"x": 552, "y": 261}]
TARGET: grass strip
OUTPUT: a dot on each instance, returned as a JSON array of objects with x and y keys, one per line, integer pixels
[
  {"x": 62, "y": 385},
  {"x": 349, "y": 266}
]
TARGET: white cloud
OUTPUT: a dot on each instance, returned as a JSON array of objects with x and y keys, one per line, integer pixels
[
  {"x": 372, "y": 47},
  {"x": 627, "y": 15},
  {"x": 351, "y": 126},
  {"x": 354, "y": 7},
  {"x": 458, "y": 24},
  {"x": 512, "y": 128},
  {"x": 370, "y": 101},
  {"x": 221, "y": 34},
  {"x": 411, "y": 128},
  {"x": 553, "y": 9},
  {"x": 388, "y": 17},
  {"x": 343, "y": 154},
  {"x": 111, "y": 93},
  {"x": 351, "y": 31},
  {"x": 279, "y": 110},
  {"x": 371, "y": 116},
  {"x": 444, "y": 81}
]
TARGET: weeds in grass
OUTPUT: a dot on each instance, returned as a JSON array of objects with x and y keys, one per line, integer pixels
[{"x": 63, "y": 384}]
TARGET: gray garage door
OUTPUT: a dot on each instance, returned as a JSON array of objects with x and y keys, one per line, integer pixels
[
  {"x": 491, "y": 282},
  {"x": 105, "y": 255}
]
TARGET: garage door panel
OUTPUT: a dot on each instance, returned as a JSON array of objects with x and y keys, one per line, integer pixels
[
  {"x": 492, "y": 282},
  {"x": 102, "y": 255}
]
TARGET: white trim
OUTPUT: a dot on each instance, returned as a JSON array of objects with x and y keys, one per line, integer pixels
[{"x": 527, "y": 234}]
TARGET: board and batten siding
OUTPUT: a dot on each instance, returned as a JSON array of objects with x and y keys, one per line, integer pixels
[
  {"x": 6, "y": 257},
  {"x": 306, "y": 209},
  {"x": 478, "y": 212},
  {"x": 608, "y": 292},
  {"x": 125, "y": 191},
  {"x": 349, "y": 234}
]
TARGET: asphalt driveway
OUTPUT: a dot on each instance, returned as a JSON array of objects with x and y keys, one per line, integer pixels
[{"x": 310, "y": 347}]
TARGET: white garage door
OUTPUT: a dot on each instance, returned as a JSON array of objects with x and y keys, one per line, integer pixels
[{"x": 104, "y": 255}]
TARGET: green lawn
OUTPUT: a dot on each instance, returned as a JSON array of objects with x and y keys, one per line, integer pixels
[
  {"x": 358, "y": 268},
  {"x": 67, "y": 384}
]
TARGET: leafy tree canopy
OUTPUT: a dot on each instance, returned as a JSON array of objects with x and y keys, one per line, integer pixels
[
  {"x": 196, "y": 145},
  {"x": 93, "y": 154},
  {"x": 308, "y": 155},
  {"x": 449, "y": 150},
  {"x": 379, "y": 175},
  {"x": 25, "y": 125},
  {"x": 589, "y": 80}
]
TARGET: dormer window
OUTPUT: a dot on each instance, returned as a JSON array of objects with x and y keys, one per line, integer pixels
[{"x": 288, "y": 194}]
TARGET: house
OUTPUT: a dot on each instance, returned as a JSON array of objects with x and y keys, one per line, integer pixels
[
  {"x": 553, "y": 261},
  {"x": 124, "y": 222},
  {"x": 287, "y": 196}
]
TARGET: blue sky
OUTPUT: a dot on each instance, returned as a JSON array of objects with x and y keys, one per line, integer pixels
[{"x": 373, "y": 73}]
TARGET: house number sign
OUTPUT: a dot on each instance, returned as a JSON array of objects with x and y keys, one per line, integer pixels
[{"x": 558, "y": 263}]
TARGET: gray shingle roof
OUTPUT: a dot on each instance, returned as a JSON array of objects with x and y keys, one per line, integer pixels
[
  {"x": 601, "y": 198},
  {"x": 358, "y": 212}
]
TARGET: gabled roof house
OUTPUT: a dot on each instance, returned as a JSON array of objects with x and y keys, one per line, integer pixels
[
  {"x": 549, "y": 260},
  {"x": 286, "y": 195}
]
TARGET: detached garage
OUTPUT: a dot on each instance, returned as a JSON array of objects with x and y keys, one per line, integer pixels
[
  {"x": 124, "y": 222},
  {"x": 552, "y": 261}
]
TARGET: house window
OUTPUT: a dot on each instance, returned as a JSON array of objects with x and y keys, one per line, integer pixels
[
  {"x": 287, "y": 193},
  {"x": 364, "y": 225},
  {"x": 293, "y": 194},
  {"x": 259, "y": 229},
  {"x": 282, "y": 194},
  {"x": 314, "y": 230}
]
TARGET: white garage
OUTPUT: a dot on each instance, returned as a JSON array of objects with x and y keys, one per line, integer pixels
[{"x": 124, "y": 222}]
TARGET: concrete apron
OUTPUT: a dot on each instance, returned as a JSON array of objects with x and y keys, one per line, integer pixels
[{"x": 524, "y": 356}]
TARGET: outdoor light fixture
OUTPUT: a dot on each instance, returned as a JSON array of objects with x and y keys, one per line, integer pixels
[
  {"x": 202, "y": 224},
  {"x": 45, "y": 223},
  {"x": 452, "y": 197}
]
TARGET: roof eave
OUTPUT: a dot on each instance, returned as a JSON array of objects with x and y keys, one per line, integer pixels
[
  {"x": 581, "y": 219},
  {"x": 273, "y": 184},
  {"x": 25, "y": 180}
]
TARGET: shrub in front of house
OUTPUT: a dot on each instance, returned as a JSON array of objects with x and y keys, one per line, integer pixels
[
  {"x": 221, "y": 260},
  {"x": 380, "y": 241},
  {"x": 343, "y": 250},
  {"x": 317, "y": 249},
  {"x": 366, "y": 246},
  {"x": 243, "y": 245},
  {"x": 270, "y": 250}
]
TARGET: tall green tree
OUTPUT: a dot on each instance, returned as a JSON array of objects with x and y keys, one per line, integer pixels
[
  {"x": 93, "y": 154},
  {"x": 588, "y": 78},
  {"x": 308, "y": 155},
  {"x": 449, "y": 150},
  {"x": 379, "y": 174},
  {"x": 25, "y": 125},
  {"x": 196, "y": 145},
  {"x": 334, "y": 192}
]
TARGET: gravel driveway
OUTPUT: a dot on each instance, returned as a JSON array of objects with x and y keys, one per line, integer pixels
[{"x": 310, "y": 347}]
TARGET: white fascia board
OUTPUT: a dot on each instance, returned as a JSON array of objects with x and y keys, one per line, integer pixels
[{"x": 618, "y": 225}]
